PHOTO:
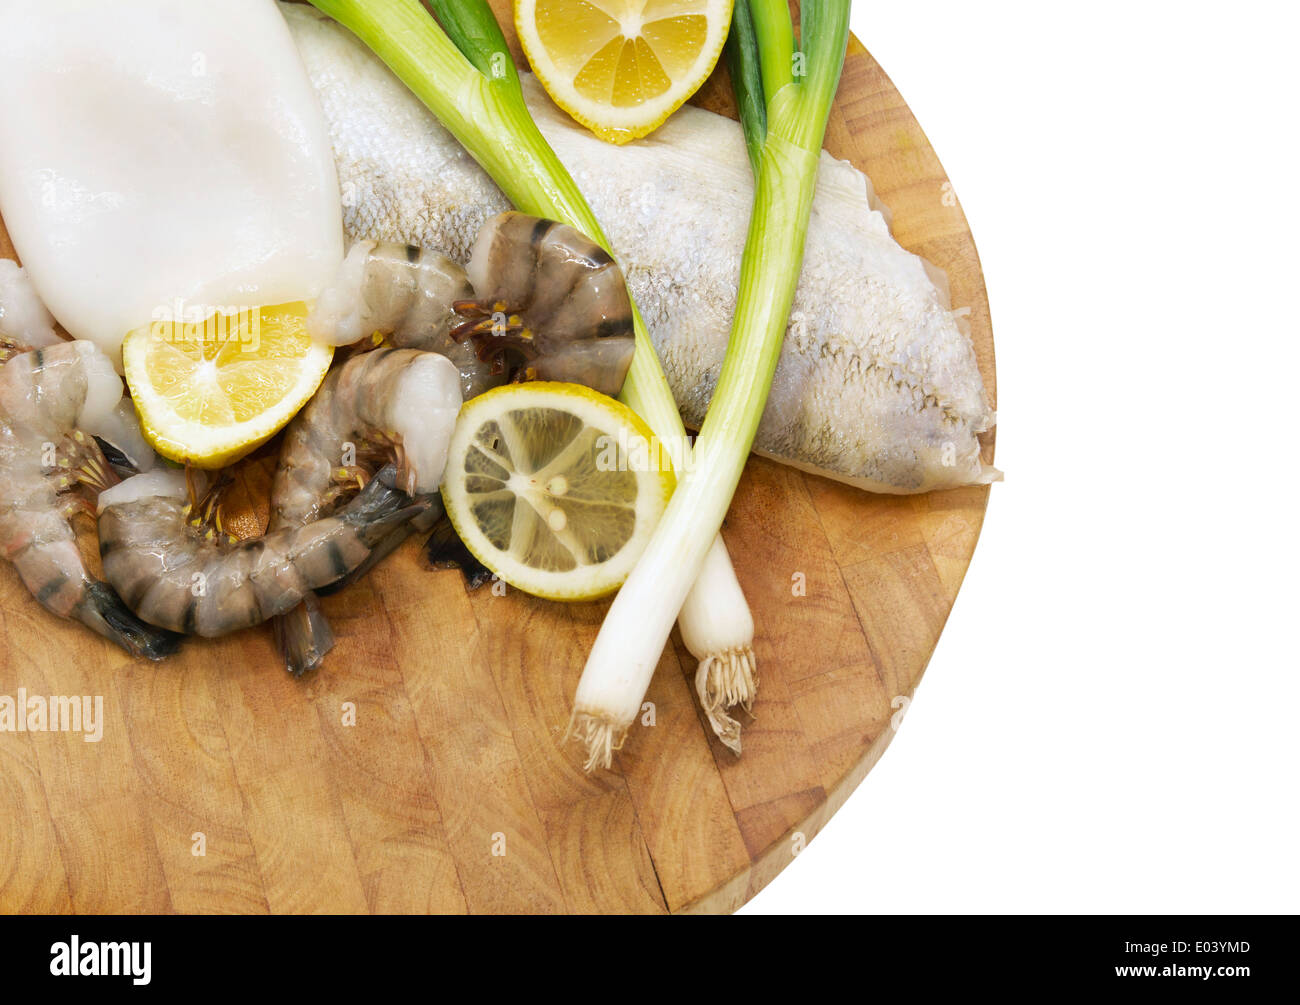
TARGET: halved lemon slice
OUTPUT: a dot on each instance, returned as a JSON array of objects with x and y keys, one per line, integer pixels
[
  {"x": 555, "y": 488},
  {"x": 621, "y": 67},
  {"x": 209, "y": 392}
]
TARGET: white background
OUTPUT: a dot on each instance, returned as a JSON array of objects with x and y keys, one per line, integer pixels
[{"x": 1109, "y": 722}]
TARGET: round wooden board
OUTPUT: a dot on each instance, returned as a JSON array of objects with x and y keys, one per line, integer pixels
[{"x": 452, "y": 791}]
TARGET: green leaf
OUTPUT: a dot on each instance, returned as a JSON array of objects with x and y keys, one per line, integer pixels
[
  {"x": 747, "y": 79},
  {"x": 474, "y": 28}
]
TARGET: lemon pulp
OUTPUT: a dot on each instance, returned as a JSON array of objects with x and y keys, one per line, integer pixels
[
  {"x": 208, "y": 392},
  {"x": 544, "y": 488}
]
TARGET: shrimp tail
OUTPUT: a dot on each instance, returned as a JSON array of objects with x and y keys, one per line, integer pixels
[
  {"x": 382, "y": 508},
  {"x": 303, "y": 636},
  {"x": 121, "y": 465},
  {"x": 418, "y": 524},
  {"x": 105, "y": 612},
  {"x": 445, "y": 550}
]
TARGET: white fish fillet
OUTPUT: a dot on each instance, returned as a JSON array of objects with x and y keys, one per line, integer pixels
[
  {"x": 877, "y": 383},
  {"x": 161, "y": 150}
]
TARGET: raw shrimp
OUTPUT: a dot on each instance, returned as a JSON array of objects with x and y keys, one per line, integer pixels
[
  {"x": 25, "y": 324},
  {"x": 538, "y": 301},
  {"x": 552, "y": 305},
  {"x": 177, "y": 572},
  {"x": 52, "y": 403},
  {"x": 552, "y": 297},
  {"x": 405, "y": 296},
  {"x": 387, "y": 402}
]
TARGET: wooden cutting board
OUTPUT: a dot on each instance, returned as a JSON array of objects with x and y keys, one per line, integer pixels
[{"x": 222, "y": 785}]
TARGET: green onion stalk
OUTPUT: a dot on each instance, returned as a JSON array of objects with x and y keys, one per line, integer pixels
[
  {"x": 784, "y": 94},
  {"x": 464, "y": 74}
]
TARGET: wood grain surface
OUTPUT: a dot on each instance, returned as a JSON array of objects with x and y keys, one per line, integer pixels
[{"x": 452, "y": 791}]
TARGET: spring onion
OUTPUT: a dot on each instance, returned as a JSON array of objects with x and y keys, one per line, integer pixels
[
  {"x": 784, "y": 93},
  {"x": 464, "y": 74}
]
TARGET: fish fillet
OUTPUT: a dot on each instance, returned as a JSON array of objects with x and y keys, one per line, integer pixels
[{"x": 877, "y": 383}]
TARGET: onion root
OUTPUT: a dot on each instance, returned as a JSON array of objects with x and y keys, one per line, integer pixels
[
  {"x": 600, "y": 737},
  {"x": 723, "y": 681}
]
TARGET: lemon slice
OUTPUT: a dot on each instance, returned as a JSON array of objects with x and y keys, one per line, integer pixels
[
  {"x": 555, "y": 488},
  {"x": 621, "y": 67},
  {"x": 207, "y": 393}
]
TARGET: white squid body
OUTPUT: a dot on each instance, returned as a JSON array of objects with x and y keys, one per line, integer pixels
[
  {"x": 877, "y": 383},
  {"x": 161, "y": 153}
]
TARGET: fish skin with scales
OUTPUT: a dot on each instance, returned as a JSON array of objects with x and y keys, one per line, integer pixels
[{"x": 877, "y": 384}]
